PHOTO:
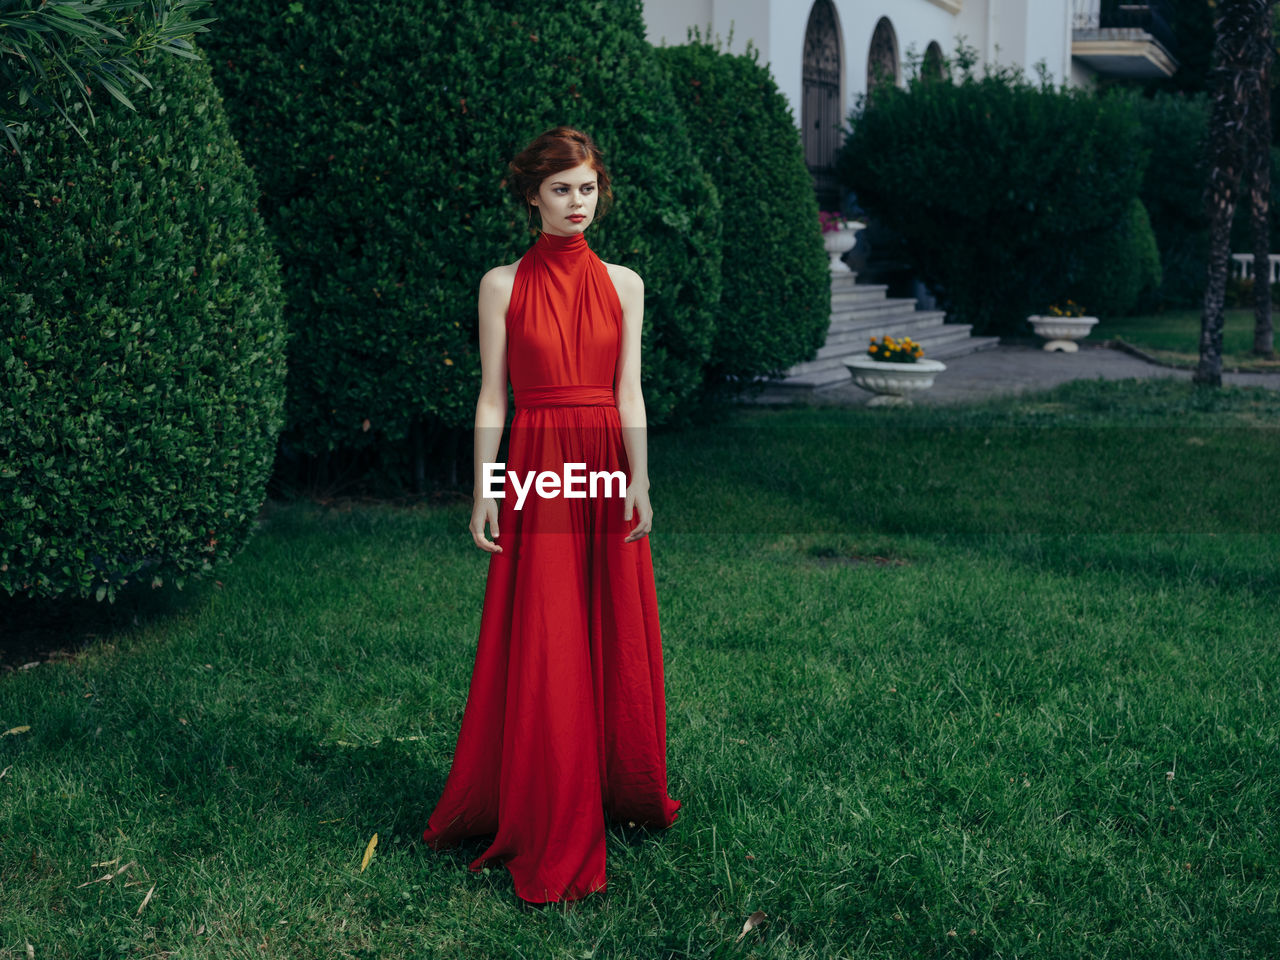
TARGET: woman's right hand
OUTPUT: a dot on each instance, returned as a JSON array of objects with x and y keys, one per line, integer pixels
[{"x": 485, "y": 510}]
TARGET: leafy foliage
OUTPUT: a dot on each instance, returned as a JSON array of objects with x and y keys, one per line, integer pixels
[
  {"x": 775, "y": 304},
  {"x": 1172, "y": 129},
  {"x": 52, "y": 52},
  {"x": 993, "y": 181},
  {"x": 385, "y": 196},
  {"x": 141, "y": 346},
  {"x": 1122, "y": 270}
]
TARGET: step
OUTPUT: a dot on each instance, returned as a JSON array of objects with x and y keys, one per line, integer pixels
[
  {"x": 871, "y": 326},
  {"x": 860, "y": 311},
  {"x": 944, "y": 341},
  {"x": 845, "y": 282},
  {"x": 859, "y": 296},
  {"x": 860, "y": 293},
  {"x": 873, "y": 308},
  {"x": 923, "y": 329},
  {"x": 857, "y": 339},
  {"x": 964, "y": 347}
]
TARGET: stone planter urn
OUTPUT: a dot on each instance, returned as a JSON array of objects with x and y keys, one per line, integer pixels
[
  {"x": 1061, "y": 333},
  {"x": 839, "y": 242},
  {"x": 892, "y": 383}
]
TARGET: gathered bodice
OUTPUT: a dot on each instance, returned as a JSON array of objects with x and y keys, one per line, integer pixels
[{"x": 564, "y": 322}]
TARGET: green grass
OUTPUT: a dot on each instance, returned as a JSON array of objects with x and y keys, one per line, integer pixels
[
  {"x": 996, "y": 681},
  {"x": 1174, "y": 337}
]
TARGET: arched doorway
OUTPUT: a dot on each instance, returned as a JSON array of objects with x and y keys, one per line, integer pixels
[
  {"x": 882, "y": 61},
  {"x": 821, "y": 101}
]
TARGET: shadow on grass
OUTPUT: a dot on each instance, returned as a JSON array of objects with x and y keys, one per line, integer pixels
[
  {"x": 1238, "y": 564},
  {"x": 59, "y": 628}
]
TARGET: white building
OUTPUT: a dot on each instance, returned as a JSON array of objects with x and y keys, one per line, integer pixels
[{"x": 822, "y": 53}]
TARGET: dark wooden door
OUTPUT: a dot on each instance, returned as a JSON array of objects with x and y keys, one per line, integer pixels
[{"x": 820, "y": 119}]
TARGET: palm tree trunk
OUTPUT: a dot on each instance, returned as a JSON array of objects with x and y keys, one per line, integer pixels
[{"x": 1236, "y": 75}]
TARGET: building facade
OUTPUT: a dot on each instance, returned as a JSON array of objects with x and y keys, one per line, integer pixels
[{"x": 825, "y": 53}]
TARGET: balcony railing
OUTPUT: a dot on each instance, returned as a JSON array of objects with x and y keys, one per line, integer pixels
[{"x": 1154, "y": 18}]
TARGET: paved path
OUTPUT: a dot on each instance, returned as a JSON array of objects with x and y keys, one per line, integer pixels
[{"x": 1017, "y": 368}]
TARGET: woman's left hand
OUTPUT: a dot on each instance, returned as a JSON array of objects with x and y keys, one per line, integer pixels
[{"x": 638, "y": 502}]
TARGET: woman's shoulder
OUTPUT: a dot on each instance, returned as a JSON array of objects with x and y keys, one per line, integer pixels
[
  {"x": 624, "y": 278},
  {"x": 502, "y": 276}
]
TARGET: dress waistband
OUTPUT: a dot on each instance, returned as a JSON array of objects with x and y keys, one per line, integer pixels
[{"x": 566, "y": 396}]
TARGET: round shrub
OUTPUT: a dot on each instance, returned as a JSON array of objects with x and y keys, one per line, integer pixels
[
  {"x": 141, "y": 345},
  {"x": 993, "y": 182},
  {"x": 1122, "y": 268},
  {"x": 775, "y": 303},
  {"x": 382, "y": 142},
  {"x": 1172, "y": 130}
]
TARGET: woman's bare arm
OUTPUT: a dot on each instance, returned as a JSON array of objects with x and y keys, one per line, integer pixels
[
  {"x": 631, "y": 411},
  {"x": 491, "y": 406}
]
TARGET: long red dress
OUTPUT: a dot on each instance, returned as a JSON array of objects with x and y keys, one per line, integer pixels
[{"x": 565, "y": 720}]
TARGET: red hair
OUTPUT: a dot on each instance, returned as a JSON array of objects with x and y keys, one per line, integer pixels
[{"x": 556, "y": 150}]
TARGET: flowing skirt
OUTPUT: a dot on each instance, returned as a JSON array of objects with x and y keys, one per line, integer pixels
[{"x": 565, "y": 720}]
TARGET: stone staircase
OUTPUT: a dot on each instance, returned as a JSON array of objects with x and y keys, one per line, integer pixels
[{"x": 860, "y": 311}]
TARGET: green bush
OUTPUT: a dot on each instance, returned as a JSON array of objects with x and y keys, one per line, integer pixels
[
  {"x": 994, "y": 183},
  {"x": 775, "y": 304},
  {"x": 1172, "y": 130},
  {"x": 1122, "y": 269},
  {"x": 1240, "y": 292},
  {"x": 141, "y": 345},
  {"x": 382, "y": 142}
]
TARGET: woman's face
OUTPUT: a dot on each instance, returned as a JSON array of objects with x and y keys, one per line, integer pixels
[{"x": 566, "y": 200}]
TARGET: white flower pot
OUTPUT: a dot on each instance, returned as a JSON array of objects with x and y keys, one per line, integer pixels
[
  {"x": 1061, "y": 333},
  {"x": 839, "y": 242},
  {"x": 892, "y": 382}
]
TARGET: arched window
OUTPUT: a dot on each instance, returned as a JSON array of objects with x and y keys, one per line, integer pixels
[
  {"x": 933, "y": 67},
  {"x": 821, "y": 103},
  {"x": 882, "y": 62}
]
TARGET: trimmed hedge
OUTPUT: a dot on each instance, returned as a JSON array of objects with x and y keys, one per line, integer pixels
[
  {"x": 1122, "y": 270},
  {"x": 994, "y": 183},
  {"x": 1173, "y": 130},
  {"x": 141, "y": 346},
  {"x": 381, "y": 143},
  {"x": 775, "y": 306}
]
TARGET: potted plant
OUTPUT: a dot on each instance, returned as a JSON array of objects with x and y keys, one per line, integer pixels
[
  {"x": 838, "y": 236},
  {"x": 1062, "y": 326},
  {"x": 893, "y": 368}
]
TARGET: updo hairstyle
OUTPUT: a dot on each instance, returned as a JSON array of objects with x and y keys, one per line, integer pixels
[{"x": 556, "y": 150}]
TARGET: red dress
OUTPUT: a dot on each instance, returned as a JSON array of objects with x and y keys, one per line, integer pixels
[{"x": 565, "y": 720}]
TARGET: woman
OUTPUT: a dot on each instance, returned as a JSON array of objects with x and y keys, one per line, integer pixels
[{"x": 565, "y": 719}]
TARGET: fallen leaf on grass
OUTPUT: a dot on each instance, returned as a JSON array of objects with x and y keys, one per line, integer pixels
[
  {"x": 106, "y": 863},
  {"x": 753, "y": 921},
  {"x": 15, "y": 730},
  {"x": 371, "y": 743},
  {"x": 200, "y": 932},
  {"x": 31, "y": 952},
  {"x": 368, "y": 852},
  {"x": 146, "y": 900},
  {"x": 108, "y": 876},
  {"x": 5, "y": 771}
]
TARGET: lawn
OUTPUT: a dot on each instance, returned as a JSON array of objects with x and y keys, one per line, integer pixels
[
  {"x": 1174, "y": 337},
  {"x": 985, "y": 681}
]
